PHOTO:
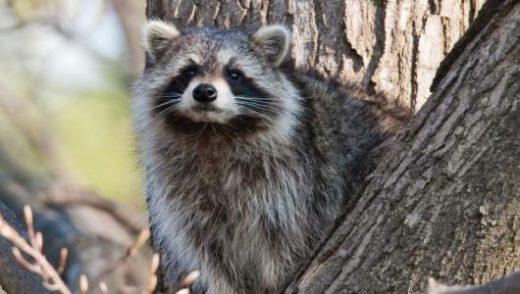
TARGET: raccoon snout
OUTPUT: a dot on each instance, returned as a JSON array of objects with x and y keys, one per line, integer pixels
[{"x": 205, "y": 93}]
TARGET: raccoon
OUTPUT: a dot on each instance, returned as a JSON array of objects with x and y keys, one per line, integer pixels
[{"x": 248, "y": 161}]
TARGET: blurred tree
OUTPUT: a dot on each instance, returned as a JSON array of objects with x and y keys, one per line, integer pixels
[
  {"x": 132, "y": 18},
  {"x": 445, "y": 202}
]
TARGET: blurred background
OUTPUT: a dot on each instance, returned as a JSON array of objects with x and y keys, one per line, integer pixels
[{"x": 67, "y": 71}]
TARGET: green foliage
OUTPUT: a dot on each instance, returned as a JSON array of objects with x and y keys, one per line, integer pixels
[{"x": 96, "y": 136}]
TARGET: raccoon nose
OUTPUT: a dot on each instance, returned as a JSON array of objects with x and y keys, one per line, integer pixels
[{"x": 205, "y": 93}]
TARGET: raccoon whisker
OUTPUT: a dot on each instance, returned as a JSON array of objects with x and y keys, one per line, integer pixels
[
  {"x": 247, "y": 106},
  {"x": 171, "y": 97},
  {"x": 260, "y": 99},
  {"x": 263, "y": 103},
  {"x": 254, "y": 112},
  {"x": 167, "y": 103},
  {"x": 162, "y": 114},
  {"x": 165, "y": 111},
  {"x": 260, "y": 107},
  {"x": 256, "y": 98},
  {"x": 172, "y": 93},
  {"x": 259, "y": 112},
  {"x": 301, "y": 105},
  {"x": 253, "y": 105}
]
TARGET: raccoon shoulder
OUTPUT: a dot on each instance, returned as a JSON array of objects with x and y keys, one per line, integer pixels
[
  {"x": 345, "y": 122},
  {"x": 334, "y": 102}
]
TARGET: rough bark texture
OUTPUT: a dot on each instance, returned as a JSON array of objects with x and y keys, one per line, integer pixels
[
  {"x": 392, "y": 46},
  {"x": 445, "y": 202}
]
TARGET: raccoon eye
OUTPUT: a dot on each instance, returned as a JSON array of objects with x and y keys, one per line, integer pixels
[
  {"x": 190, "y": 71},
  {"x": 234, "y": 75}
]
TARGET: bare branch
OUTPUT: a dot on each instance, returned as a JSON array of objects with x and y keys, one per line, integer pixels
[
  {"x": 83, "y": 284},
  {"x": 189, "y": 279},
  {"x": 64, "y": 254},
  {"x": 27, "y": 212},
  {"x": 129, "y": 252},
  {"x": 103, "y": 287},
  {"x": 24, "y": 262},
  {"x": 153, "y": 274},
  {"x": 41, "y": 266}
]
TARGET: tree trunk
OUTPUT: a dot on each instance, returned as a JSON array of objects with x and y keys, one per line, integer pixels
[
  {"x": 445, "y": 201},
  {"x": 130, "y": 13}
]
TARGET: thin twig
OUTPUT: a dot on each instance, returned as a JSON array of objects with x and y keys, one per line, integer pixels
[
  {"x": 129, "y": 252},
  {"x": 103, "y": 287},
  {"x": 83, "y": 284},
  {"x": 27, "y": 212},
  {"x": 186, "y": 283},
  {"x": 40, "y": 266},
  {"x": 189, "y": 279},
  {"x": 64, "y": 254},
  {"x": 153, "y": 274}
]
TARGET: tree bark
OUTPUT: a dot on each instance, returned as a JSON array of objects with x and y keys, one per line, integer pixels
[{"x": 445, "y": 201}]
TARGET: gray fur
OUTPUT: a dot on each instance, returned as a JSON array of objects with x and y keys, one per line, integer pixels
[{"x": 247, "y": 208}]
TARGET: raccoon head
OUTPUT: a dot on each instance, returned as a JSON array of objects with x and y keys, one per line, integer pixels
[{"x": 227, "y": 79}]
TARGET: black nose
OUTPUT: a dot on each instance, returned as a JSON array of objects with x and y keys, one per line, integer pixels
[{"x": 205, "y": 93}]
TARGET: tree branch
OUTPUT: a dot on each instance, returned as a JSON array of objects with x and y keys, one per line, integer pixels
[
  {"x": 51, "y": 279},
  {"x": 14, "y": 276}
]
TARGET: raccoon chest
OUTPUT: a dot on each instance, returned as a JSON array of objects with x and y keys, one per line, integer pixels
[{"x": 241, "y": 198}]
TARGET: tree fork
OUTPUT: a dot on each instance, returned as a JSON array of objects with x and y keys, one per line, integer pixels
[{"x": 444, "y": 202}]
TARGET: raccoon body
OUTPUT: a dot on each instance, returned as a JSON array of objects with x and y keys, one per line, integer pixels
[{"x": 247, "y": 163}]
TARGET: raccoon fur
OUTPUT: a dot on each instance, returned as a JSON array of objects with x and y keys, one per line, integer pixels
[{"x": 248, "y": 162}]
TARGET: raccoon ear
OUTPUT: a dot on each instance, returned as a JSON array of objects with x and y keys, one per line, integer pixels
[
  {"x": 157, "y": 36},
  {"x": 273, "y": 42}
]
